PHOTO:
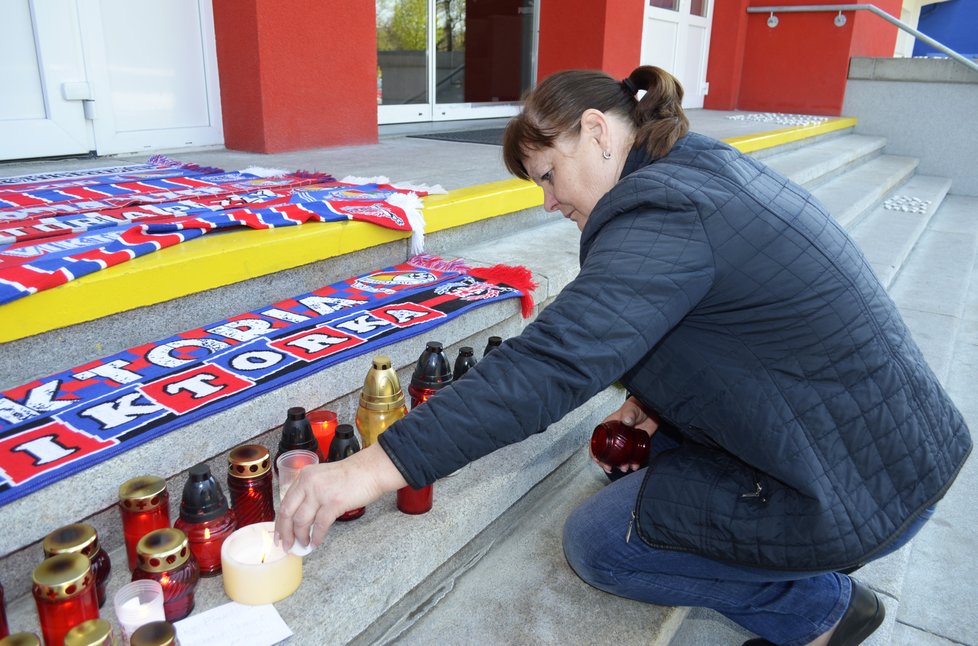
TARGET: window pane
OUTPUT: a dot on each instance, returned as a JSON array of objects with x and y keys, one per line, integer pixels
[
  {"x": 402, "y": 39},
  {"x": 698, "y": 8},
  {"x": 672, "y": 5}
]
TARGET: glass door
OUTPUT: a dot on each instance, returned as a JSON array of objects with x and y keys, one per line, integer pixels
[{"x": 441, "y": 60}]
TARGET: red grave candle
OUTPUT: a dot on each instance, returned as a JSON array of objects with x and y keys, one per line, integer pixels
[
  {"x": 205, "y": 518},
  {"x": 83, "y": 539},
  {"x": 250, "y": 484},
  {"x": 617, "y": 445},
  {"x": 164, "y": 555},
  {"x": 324, "y": 425},
  {"x": 64, "y": 592},
  {"x": 144, "y": 505}
]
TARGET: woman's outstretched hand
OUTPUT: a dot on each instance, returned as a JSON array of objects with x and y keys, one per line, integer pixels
[
  {"x": 631, "y": 413},
  {"x": 324, "y": 492}
]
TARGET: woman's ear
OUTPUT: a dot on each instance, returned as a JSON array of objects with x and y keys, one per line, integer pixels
[{"x": 594, "y": 125}]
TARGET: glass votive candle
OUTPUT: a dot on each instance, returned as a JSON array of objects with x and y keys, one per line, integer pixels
[
  {"x": 617, "y": 445},
  {"x": 144, "y": 505},
  {"x": 138, "y": 603},
  {"x": 81, "y": 538},
  {"x": 250, "y": 484},
  {"x": 164, "y": 556},
  {"x": 157, "y": 633},
  {"x": 415, "y": 501},
  {"x": 324, "y": 425},
  {"x": 94, "y": 632},
  {"x": 64, "y": 592}
]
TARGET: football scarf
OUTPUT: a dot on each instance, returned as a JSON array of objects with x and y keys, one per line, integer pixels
[
  {"x": 54, "y": 427},
  {"x": 64, "y": 232}
]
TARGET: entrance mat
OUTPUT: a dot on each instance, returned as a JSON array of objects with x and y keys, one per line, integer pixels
[
  {"x": 57, "y": 426},
  {"x": 57, "y": 227},
  {"x": 491, "y": 136}
]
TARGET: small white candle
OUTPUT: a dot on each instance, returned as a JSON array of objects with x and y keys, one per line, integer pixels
[{"x": 255, "y": 570}]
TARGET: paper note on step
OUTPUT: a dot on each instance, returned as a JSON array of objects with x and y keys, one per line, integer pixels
[{"x": 232, "y": 624}]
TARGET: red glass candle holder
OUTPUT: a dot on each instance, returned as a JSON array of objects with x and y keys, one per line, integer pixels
[
  {"x": 618, "y": 445},
  {"x": 164, "y": 555},
  {"x": 344, "y": 445},
  {"x": 324, "y": 425},
  {"x": 64, "y": 592},
  {"x": 250, "y": 484},
  {"x": 144, "y": 505},
  {"x": 4, "y": 628},
  {"x": 415, "y": 501},
  {"x": 83, "y": 539},
  {"x": 205, "y": 518}
]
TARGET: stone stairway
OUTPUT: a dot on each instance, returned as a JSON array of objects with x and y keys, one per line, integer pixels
[{"x": 486, "y": 564}]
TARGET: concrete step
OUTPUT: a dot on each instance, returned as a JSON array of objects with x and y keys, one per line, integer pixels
[
  {"x": 850, "y": 196},
  {"x": 888, "y": 233},
  {"x": 818, "y": 162},
  {"x": 513, "y": 586}
]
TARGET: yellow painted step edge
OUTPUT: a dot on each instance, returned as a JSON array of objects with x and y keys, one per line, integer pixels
[{"x": 216, "y": 260}]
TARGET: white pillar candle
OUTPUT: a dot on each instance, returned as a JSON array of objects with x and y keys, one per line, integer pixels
[{"x": 255, "y": 570}]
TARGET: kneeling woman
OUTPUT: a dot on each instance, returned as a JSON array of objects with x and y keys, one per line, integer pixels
[{"x": 797, "y": 430}]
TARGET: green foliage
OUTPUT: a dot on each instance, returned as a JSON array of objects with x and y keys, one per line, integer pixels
[{"x": 401, "y": 25}]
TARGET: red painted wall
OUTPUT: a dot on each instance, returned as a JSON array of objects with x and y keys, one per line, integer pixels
[
  {"x": 590, "y": 34},
  {"x": 296, "y": 74},
  {"x": 802, "y": 64},
  {"x": 726, "y": 62}
]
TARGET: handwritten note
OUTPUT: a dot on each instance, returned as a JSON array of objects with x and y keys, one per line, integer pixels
[{"x": 232, "y": 624}]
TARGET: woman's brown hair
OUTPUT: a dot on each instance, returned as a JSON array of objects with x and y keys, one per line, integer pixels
[{"x": 554, "y": 108}]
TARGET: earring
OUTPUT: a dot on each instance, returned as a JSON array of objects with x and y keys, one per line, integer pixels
[{"x": 606, "y": 154}]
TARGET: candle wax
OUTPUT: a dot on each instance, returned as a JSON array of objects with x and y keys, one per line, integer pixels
[{"x": 256, "y": 570}]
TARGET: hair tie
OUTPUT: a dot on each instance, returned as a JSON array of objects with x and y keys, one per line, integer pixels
[{"x": 629, "y": 86}]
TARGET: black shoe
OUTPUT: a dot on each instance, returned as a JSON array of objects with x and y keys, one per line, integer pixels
[{"x": 861, "y": 619}]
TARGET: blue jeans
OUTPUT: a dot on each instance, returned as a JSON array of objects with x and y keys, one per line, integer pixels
[{"x": 783, "y": 607}]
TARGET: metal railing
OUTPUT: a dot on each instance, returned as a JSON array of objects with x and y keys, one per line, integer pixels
[{"x": 872, "y": 9}]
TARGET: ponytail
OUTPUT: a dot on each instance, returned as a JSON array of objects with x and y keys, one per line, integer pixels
[{"x": 659, "y": 117}]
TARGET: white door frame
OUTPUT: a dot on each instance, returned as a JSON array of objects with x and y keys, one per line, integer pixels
[
  {"x": 690, "y": 70},
  {"x": 433, "y": 111}
]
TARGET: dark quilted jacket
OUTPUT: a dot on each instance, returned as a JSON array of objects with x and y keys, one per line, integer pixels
[{"x": 725, "y": 298}]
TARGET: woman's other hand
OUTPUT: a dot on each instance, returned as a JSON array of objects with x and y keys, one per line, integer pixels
[
  {"x": 631, "y": 413},
  {"x": 324, "y": 492}
]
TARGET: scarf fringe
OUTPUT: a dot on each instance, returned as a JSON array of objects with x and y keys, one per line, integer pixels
[
  {"x": 411, "y": 204},
  {"x": 513, "y": 275},
  {"x": 166, "y": 162},
  {"x": 428, "y": 261}
]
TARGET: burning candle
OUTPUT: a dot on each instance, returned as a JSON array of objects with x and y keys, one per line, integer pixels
[
  {"x": 205, "y": 518},
  {"x": 144, "y": 506},
  {"x": 64, "y": 591},
  {"x": 256, "y": 570},
  {"x": 324, "y": 425},
  {"x": 81, "y": 538},
  {"x": 164, "y": 555}
]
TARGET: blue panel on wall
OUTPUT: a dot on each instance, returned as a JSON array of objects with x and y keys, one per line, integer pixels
[{"x": 953, "y": 23}]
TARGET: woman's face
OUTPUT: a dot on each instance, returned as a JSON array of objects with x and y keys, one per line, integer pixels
[{"x": 573, "y": 175}]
